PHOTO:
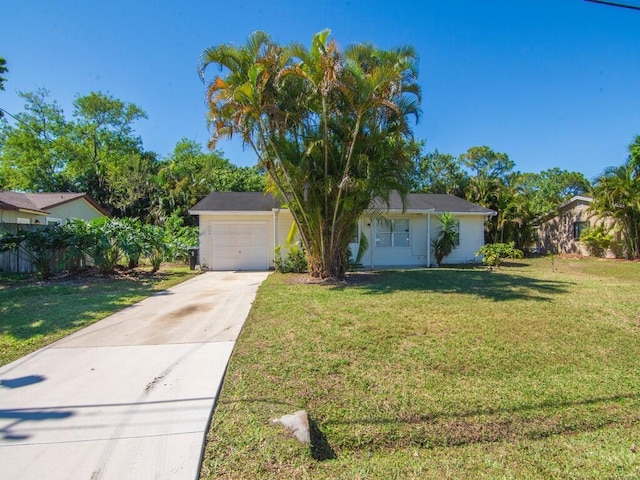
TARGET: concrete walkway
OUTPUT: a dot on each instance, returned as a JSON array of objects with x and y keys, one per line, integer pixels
[{"x": 129, "y": 397}]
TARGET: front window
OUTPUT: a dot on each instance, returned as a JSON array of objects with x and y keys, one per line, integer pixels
[
  {"x": 578, "y": 228},
  {"x": 393, "y": 233}
]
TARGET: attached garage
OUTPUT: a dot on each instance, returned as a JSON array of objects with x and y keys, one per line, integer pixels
[
  {"x": 239, "y": 245},
  {"x": 237, "y": 230}
]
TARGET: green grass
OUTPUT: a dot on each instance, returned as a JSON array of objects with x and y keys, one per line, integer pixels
[
  {"x": 34, "y": 314},
  {"x": 531, "y": 371}
]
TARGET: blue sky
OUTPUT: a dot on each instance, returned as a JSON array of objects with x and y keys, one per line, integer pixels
[{"x": 552, "y": 83}]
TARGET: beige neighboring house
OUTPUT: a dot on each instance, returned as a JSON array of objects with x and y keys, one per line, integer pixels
[
  {"x": 560, "y": 231},
  {"x": 46, "y": 208},
  {"x": 240, "y": 230},
  {"x": 22, "y": 211}
]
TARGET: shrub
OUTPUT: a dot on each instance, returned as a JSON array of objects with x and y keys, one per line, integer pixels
[
  {"x": 180, "y": 239},
  {"x": 44, "y": 247},
  {"x": 596, "y": 240},
  {"x": 295, "y": 262},
  {"x": 493, "y": 254}
]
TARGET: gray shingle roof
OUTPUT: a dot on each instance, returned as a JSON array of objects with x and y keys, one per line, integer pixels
[
  {"x": 237, "y": 202},
  {"x": 434, "y": 202},
  {"x": 416, "y": 202}
]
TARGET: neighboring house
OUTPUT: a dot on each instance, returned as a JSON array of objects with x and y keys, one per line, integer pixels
[
  {"x": 20, "y": 211},
  {"x": 559, "y": 232},
  {"x": 240, "y": 230},
  {"x": 46, "y": 208}
]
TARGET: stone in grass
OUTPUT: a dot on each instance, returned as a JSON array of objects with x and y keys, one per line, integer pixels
[{"x": 297, "y": 423}]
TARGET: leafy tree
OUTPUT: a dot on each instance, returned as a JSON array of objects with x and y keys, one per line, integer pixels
[
  {"x": 33, "y": 154},
  {"x": 131, "y": 185},
  {"x": 101, "y": 139},
  {"x": 189, "y": 174},
  {"x": 437, "y": 172},
  {"x": 494, "y": 254},
  {"x": 3, "y": 70},
  {"x": 329, "y": 127},
  {"x": 550, "y": 188},
  {"x": 617, "y": 195},
  {"x": 487, "y": 164}
]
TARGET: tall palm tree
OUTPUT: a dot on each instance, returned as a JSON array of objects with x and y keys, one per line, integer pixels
[
  {"x": 617, "y": 195},
  {"x": 329, "y": 127}
]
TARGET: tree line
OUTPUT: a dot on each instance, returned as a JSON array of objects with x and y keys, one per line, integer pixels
[
  {"x": 330, "y": 128},
  {"x": 96, "y": 151}
]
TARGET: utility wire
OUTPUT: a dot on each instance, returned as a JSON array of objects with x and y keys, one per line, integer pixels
[{"x": 615, "y": 4}]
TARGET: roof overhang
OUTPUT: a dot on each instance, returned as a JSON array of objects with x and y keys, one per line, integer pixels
[{"x": 229, "y": 213}]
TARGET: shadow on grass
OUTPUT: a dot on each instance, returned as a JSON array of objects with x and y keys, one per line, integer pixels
[
  {"x": 320, "y": 448},
  {"x": 474, "y": 427},
  {"x": 493, "y": 285}
]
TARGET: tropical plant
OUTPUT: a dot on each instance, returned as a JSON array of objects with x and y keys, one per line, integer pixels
[
  {"x": 445, "y": 241},
  {"x": 180, "y": 239},
  {"x": 617, "y": 195},
  {"x": 494, "y": 254},
  {"x": 130, "y": 239},
  {"x": 329, "y": 128},
  {"x": 155, "y": 246},
  {"x": 596, "y": 240}
]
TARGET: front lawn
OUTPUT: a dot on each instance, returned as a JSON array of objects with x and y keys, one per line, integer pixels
[
  {"x": 531, "y": 371},
  {"x": 34, "y": 314}
]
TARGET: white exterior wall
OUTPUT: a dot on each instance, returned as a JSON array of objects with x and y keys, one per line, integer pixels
[
  {"x": 471, "y": 238},
  {"x": 415, "y": 255},
  {"x": 284, "y": 219}
]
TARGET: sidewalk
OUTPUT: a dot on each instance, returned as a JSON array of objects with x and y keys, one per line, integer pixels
[{"x": 130, "y": 396}]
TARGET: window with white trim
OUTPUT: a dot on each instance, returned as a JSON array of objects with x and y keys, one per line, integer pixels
[
  {"x": 393, "y": 233},
  {"x": 456, "y": 241}
]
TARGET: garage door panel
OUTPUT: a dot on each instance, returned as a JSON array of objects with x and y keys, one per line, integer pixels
[{"x": 240, "y": 245}]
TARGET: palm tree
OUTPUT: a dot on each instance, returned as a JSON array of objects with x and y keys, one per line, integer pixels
[
  {"x": 617, "y": 195},
  {"x": 329, "y": 127},
  {"x": 445, "y": 242}
]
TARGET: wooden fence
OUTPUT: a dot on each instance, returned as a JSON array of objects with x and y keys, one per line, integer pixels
[{"x": 16, "y": 261}]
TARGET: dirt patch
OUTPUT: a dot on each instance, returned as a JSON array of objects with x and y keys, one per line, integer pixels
[{"x": 352, "y": 278}]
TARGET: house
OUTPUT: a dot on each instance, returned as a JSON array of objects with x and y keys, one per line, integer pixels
[
  {"x": 240, "y": 230},
  {"x": 20, "y": 211},
  {"x": 559, "y": 232},
  {"x": 46, "y": 208}
]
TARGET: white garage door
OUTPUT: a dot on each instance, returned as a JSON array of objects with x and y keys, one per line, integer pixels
[{"x": 240, "y": 245}]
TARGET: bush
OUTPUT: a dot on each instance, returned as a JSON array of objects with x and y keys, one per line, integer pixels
[
  {"x": 295, "y": 262},
  {"x": 44, "y": 247},
  {"x": 596, "y": 240},
  {"x": 493, "y": 254}
]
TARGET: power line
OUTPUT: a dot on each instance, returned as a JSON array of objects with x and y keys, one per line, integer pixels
[{"x": 615, "y": 4}]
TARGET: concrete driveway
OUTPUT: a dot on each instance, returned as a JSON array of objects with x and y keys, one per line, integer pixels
[{"x": 130, "y": 396}]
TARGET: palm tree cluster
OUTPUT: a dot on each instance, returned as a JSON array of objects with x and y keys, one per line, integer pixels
[
  {"x": 617, "y": 195},
  {"x": 329, "y": 127}
]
